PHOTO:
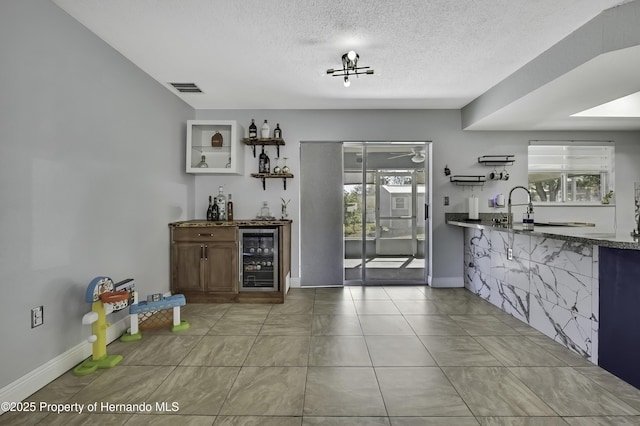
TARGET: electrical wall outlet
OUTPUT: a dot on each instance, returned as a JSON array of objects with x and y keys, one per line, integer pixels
[
  {"x": 37, "y": 316},
  {"x": 509, "y": 254},
  {"x": 446, "y": 200}
]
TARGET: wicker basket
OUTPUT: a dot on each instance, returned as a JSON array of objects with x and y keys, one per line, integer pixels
[{"x": 155, "y": 319}]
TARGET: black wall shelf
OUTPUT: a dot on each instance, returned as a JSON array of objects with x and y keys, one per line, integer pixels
[
  {"x": 468, "y": 180},
  {"x": 497, "y": 160}
]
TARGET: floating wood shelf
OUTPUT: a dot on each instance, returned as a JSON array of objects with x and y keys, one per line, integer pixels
[
  {"x": 264, "y": 142},
  {"x": 468, "y": 180},
  {"x": 265, "y": 176},
  {"x": 496, "y": 160}
]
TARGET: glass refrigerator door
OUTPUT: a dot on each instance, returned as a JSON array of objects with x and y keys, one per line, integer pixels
[{"x": 259, "y": 260}]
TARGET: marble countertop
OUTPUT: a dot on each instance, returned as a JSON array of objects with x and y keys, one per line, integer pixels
[
  {"x": 620, "y": 240},
  {"x": 242, "y": 222}
]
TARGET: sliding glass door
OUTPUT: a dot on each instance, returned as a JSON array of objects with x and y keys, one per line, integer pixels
[{"x": 385, "y": 212}]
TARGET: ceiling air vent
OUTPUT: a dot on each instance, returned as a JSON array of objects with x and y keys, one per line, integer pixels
[{"x": 186, "y": 87}]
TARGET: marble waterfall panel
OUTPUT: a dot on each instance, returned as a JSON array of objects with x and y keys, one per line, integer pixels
[
  {"x": 477, "y": 262},
  {"x": 550, "y": 284}
]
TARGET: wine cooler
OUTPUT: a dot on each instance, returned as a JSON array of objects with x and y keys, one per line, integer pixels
[{"x": 259, "y": 259}]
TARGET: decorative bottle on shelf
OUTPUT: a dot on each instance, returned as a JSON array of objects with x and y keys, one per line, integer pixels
[
  {"x": 203, "y": 163},
  {"x": 214, "y": 212},
  {"x": 261, "y": 160},
  {"x": 277, "y": 133},
  {"x": 221, "y": 202},
  {"x": 229, "y": 209},
  {"x": 210, "y": 210},
  {"x": 267, "y": 162},
  {"x": 253, "y": 130},
  {"x": 265, "y": 130},
  {"x": 285, "y": 168}
]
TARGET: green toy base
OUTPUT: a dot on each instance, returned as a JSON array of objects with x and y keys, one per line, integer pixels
[
  {"x": 90, "y": 365},
  {"x": 126, "y": 337},
  {"x": 180, "y": 327}
]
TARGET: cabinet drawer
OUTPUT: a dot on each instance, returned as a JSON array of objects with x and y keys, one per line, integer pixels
[{"x": 205, "y": 234}]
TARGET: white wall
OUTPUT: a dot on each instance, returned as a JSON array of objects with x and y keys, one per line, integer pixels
[
  {"x": 91, "y": 172},
  {"x": 451, "y": 146}
]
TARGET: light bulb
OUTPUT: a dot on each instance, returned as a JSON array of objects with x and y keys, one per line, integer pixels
[
  {"x": 351, "y": 55},
  {"x": 347, "y": 83}
]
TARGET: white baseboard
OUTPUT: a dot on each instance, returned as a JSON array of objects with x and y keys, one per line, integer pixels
[
  {"x": 294, "y": 282},
  {"x": 51, "y": 370},
  {"x": 447, "y": 282}
]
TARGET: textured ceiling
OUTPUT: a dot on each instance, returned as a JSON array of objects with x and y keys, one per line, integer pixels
[{"x": 274, "y": 53}]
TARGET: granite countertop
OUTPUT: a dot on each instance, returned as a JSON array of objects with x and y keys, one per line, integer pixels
[
  {"x": 242, "y": 222},
  {"x": 620, "y": 240}
]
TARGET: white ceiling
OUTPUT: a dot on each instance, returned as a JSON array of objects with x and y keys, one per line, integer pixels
[{"x": 273, "y": 54}]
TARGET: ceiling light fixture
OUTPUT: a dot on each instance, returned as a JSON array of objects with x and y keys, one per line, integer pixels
[{"x": 349, "y": 67}]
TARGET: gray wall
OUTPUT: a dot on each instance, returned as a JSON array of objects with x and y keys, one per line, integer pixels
[
  {"x": 91, "y": 172},
  {"x": 451, "y": 146}
]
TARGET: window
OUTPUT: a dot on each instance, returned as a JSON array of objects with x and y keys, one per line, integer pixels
[
  {"x": 399, "y": 203},
  {"x": 570, "y": 172}
]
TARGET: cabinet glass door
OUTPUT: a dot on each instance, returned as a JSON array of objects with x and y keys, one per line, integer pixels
[{"x": 259, "y": 265}]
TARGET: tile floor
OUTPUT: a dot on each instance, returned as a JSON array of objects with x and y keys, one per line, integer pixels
[{"x": 395, "y": 356}]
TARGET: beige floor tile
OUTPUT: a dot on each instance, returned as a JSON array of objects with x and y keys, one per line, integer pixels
[
  {"x": 257, "y": 421},
  {"x": 333, "y": 294},
  {"x": 212, "y": 310},
  {"x": 419, "y": 391},
  {"x": 604, "y": 421},
  {"x": 343, "y": 391},
  {"x": 267, "y": 391},
  {"x": 161, "y": 350},
  {"x": 517, "y": 351},
  {"x": 75, "y": 419},
  {"x": 434, "y": 325},
  {"x": 368, "y": 293},
  {"x": 293, "y": 307},
  {"x": 433, "y": 421},
  {"x": 570, "y": 393},
  {"x": 458, "y": 351},
  {"x": 279, "y": 351},
  {"x": 483, "y": 325},
  {"x": 235, "y": 327},
  {"x": 405, "y": 292},
  {"x": 417, "y": 307},
  {"x": 345, "y": 421},
  {"x": 287, "y": 325},
  {"x": 166, "y": 420},
  {"x": 560, "y": 352},
  {"x": 505, "y": 372},
  {"x": 336, "y": 325},
  {"x": 618, "y": 387},
  {"x": 340, "y": 307},
  {"x": 398, "y": 351},
  {"x": 197, "y": 390},
  {"x": 301, "y": 293},
  {"x": 376, "y": 307},
  {"x": 385, "y": 325},
  {"x": 124, "y": 384},
  {"x": 494, "y": 391},
  {"x": 339, "y": 351},
  {"x": 220, "y": 351},
  {"x": 522, "y": 421}
]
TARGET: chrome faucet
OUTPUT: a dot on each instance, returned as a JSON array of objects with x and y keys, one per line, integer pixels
[{"x": 509, "y": 205}]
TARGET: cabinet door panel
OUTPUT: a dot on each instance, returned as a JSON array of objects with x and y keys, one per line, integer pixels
[
  {"x": 222, "y": 268},
  {"x": 186, "y": 267}
]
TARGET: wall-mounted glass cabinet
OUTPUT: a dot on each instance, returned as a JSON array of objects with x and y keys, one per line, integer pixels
[{"x": 214, "y": 147}]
